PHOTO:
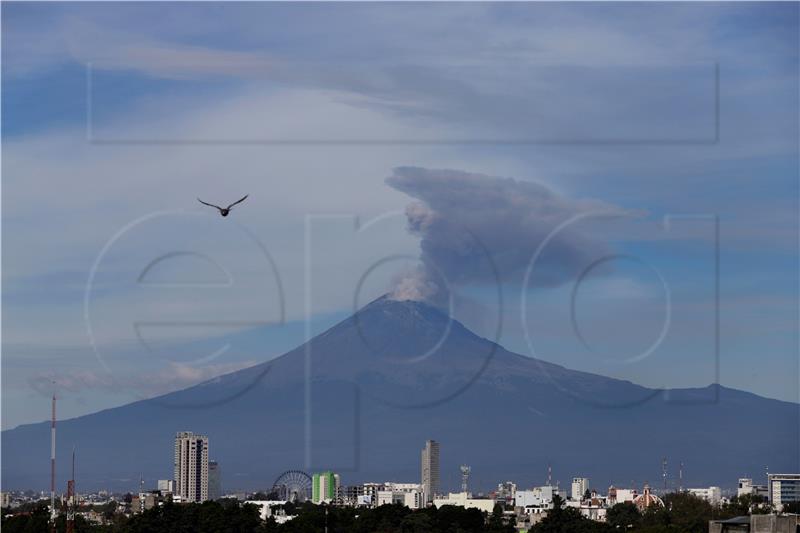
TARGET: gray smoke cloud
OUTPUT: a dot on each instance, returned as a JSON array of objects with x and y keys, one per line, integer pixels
[{"x": 479, "y": 229}]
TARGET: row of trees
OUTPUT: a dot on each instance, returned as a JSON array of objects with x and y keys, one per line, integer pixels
[
  {"x": 229, "y": 516},
  {"x": 682, "y": 513}
]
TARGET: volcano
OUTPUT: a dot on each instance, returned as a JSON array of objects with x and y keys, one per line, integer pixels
[{"x": 362, "y": 398}]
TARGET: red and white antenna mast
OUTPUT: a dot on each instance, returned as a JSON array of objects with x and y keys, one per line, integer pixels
[
  {"x": 71, "y": 498},
  {"x": 53, "y": 513}
]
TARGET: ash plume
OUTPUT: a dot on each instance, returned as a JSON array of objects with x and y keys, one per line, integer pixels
[{"x": 476, "y": 229}]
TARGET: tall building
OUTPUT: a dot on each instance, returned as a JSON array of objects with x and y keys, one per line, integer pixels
[
  {"x": 324, "y": 487},
  {"x": 191, "y": 467},
  {"x": 579, "y": 487},
  {"x": 430, "y": 470},
  {"x": 214, "y": 481},
  {"x": 783, "y": 488}
]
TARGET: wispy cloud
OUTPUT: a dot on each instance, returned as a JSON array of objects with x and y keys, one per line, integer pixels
[{"x": 174, "y": 376}]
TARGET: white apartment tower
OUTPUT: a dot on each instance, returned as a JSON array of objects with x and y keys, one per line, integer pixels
[
  {"x": 579, "y": 487},
  {"x": 430, "y": 470},
  {"x": 191, "y": 467}
]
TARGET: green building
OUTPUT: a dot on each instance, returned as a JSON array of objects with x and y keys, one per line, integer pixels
[{"x": 324, "y": 486}]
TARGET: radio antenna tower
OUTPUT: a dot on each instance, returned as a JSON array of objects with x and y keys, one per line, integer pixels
[
  {"x": 664, "y": 473},
  {"x": 680, "y": 478},
  {"x": 549, "y": 476},
  {"x": 71, "y": 498},
  {"x": 465, "y": 470},
  {"x": 53, "y": 513}
]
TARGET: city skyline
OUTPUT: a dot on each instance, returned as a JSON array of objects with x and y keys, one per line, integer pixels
[{"x": 191, "y": 452}]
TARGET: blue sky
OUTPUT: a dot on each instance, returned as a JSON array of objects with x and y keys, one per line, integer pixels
[{"x": 115, "y": 117}]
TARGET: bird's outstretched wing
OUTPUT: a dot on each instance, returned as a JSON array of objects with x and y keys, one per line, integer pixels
[
  {"x": 239, "y": 201},
  {"x": 208, "y": 204}
]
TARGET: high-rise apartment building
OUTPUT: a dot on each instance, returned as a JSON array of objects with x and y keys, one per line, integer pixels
[
  {"x": 324, "y": 487},
  {"x": 579, "y": 487},
  {"x": 214, "y": 481},
  {"x": 191, "y": 467},
  {"x": 430, "y": 470}
]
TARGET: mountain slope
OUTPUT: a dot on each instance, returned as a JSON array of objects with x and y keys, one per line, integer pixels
[{"x": 362, "y": 397}]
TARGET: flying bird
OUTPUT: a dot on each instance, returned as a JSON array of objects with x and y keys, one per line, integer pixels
[{"x": 224, "y": 210}]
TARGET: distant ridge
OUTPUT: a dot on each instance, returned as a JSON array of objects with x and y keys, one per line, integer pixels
[{"x": 396, "y": 373}]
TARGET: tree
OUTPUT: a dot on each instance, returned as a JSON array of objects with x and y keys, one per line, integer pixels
[
  {"x": 687, "y": 512},
  {"x": 562, "y": 519},
  {"x": 744, "y": 505},
  {"x": 791, "y": 507},
  {"x": 624, "y": 516},
  {"x": 497, "y": 522},
  {"x": 36, "y": 520}
]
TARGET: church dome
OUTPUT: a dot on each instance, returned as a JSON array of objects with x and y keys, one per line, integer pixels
[{"x": 647, "y": 499}]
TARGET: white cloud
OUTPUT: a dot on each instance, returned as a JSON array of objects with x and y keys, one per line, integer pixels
[{"x": 172, "y": 377}]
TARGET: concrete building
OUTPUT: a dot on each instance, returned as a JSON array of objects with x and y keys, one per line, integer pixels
[
  {"x": 712, "y": 495},
  {"x": 415, "y": 499},
  {"x": 617, "y": 495},
  {"x": 593, "y": 508},
  {"x": 463, "y": 499},
  {"x": 191, "y": 467},
  {"x": 214, "y": 481},
  {"x": 166, "y": 486},
  {"x": 412, "y": 495},
  {"x": 532, "y": 516},
  {"x": 364, "y": 495},
  {"x": 389, "y": 497},
  {"x": 271, "y": 509},
  {"x": 536, "y": 497},
  {"x": 765, "y": 523},
  {"x": 369, "y": 493},
  {"x": 145, "y": 501},
  {"x": 506, "y": 492},
  {"x": 746, "y": 486},
  {"x": 430, "y": 470},
  {"x": 579, "y": 487},
  {"x": 783, "y": 488},
  {"x": 324, "y": 487}
]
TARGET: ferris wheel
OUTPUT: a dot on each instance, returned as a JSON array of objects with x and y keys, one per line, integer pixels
[{"x": 293, "y": 486}]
